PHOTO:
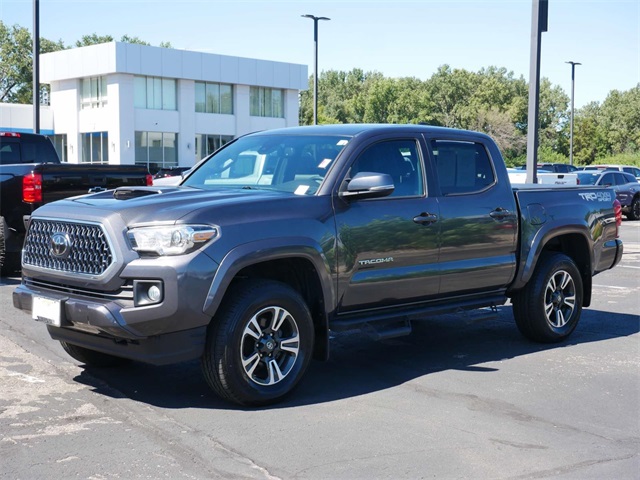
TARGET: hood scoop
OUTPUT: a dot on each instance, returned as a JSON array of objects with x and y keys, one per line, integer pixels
[{"x": 127, "y": 193}]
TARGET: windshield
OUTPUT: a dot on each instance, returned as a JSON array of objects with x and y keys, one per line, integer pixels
[{"x": 289, "y": 163}]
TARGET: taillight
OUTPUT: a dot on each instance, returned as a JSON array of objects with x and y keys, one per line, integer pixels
[
  {"x": 617, "y": 211},
  {"x": 32, "y": 188},
  {"x": 10, "y": 134},
  {"x": 149, "y": 178}
]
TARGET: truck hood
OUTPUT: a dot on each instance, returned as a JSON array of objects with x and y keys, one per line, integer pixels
[{"x": 139, "y": 205}]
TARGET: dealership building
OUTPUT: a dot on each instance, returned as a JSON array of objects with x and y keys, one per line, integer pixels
[{"x": 123, "y": 103}]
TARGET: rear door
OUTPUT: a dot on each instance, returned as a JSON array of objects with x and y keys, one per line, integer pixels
[
  {"x": 478, "y": 217},
  {"x": 388, "y": 247}
]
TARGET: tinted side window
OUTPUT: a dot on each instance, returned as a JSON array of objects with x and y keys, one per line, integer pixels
[
  {"x": 463, "y": 167},
  {"x": 608, "y": 179},
  {"x": 38, "y": 152},
  {"x": 46, "y": 152},
  {"x": 9, "y": 153},
  {"x": 627, "y": 178},
  {"x": 397, "y": 158}
]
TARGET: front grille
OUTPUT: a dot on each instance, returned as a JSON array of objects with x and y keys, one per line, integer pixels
[{"x": 84, "y": 249}]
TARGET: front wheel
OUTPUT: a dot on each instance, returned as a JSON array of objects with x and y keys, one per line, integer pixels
[
  {"x": 548, "y": 308},
  {"x": 634, "y": 209},
  {"x": 259, "y": 344}
]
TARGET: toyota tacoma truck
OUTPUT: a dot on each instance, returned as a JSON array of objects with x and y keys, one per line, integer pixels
[
  {"x": 342, "y": 227},
  {"x": 31, "y": 175}
]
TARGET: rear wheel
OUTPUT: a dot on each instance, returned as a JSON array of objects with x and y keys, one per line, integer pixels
[
  {"x": 93, "y": 358},
  {"x": 259, "y": 344},
  {"x": 548, "y": 308}
]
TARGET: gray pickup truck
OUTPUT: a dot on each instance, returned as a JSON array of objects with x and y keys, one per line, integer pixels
[{"x": 282, "y": 236}]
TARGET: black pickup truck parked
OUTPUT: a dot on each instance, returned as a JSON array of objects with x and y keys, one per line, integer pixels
[
  {"x": 31, "y": 175},
  {"x": 282, "y": 236}
]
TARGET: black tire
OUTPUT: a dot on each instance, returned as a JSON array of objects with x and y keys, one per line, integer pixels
[
  {"x": 634, "y": 209},
  {"x": 2, "y": 245},
  {"x": 92, "y": 358},
  {"x": 548, "y": 308},
  {"x": 259, "y": 344},
  {"x": 9, "y": 261}
]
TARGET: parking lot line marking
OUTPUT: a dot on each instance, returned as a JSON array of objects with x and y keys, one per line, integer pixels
[
  {"x": 627, "y": 266},
  {"x": 609, "y": 286}
]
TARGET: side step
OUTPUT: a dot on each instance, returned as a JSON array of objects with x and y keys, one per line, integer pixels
[
  {"x": 384, "y": 330},
  {"x": 479, "y": 315}
]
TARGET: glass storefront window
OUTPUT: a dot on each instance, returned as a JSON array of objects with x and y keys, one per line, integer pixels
[
  {"x": 214, "y": 98},
  {"x": 207, "y": 144},
  {"x": 155, "y": 93},
  {"x": 95, "y": 147},
  {"x": 156, "y": 150},
  {"x": 93, "y": 92},
  {"x": 266, "y": 102}
]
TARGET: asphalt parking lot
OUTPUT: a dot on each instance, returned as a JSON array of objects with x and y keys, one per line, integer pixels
[{"x": 459, "y": 398}]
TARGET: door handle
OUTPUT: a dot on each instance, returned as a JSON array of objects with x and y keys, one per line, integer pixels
[
  {"x": 425, "y": 218},
  {"x": 500, "y": 214}
]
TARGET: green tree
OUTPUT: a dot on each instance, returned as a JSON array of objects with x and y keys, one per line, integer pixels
[
  {"x": 589, "y": 140},
  {"x": 16, "y": 59},
  {"x": 608, "y": 129},
  {"x": 620, "y": 120},
  {"x": 95, "y": 39},
  {"x": 16, "y": 62}
]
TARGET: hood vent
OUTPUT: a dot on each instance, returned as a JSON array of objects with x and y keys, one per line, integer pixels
[{"x": 126, "y": 193}]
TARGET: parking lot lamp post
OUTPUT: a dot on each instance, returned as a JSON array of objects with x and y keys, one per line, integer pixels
[
  {"x": 573, "y": 85},
  {"x": 315, "y": 64}
]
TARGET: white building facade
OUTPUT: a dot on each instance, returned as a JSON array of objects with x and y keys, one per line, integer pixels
[{"x": 123, "y": 103}]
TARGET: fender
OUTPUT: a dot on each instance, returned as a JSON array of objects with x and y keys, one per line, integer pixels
[
  {"x": 542, "y": 237},
  {"x": 271, "y": 249}
]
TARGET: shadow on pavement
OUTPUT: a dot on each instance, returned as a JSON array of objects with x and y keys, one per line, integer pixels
[{"x": 359, "y": 366}]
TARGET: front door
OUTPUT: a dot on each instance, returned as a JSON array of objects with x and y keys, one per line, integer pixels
[{"x": 388, "y": 247}]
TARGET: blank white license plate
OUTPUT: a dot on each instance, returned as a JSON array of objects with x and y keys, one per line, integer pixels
[{"x": 46, "y": 310}]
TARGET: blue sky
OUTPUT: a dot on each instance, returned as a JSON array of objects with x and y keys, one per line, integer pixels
[{"x": 395, "y": 37}]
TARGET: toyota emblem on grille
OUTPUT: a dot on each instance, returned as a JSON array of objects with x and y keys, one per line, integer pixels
[{"x": 60, "y": 245}]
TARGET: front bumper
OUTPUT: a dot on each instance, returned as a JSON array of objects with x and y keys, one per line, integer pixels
[{"x": 171, "y": 330}]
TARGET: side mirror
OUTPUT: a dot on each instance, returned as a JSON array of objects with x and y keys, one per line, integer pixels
[{"x": 368, "y": 185}]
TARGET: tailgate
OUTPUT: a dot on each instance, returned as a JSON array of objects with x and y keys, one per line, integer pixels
[{"x": 69, "y": 180}]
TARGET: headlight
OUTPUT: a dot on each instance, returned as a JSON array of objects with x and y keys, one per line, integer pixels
[{"x": 171, "y": 239}]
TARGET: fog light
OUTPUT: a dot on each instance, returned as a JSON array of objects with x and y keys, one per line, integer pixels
[
  {"x": 154, "y": 293},
  {"x": 147, "y": 292}
]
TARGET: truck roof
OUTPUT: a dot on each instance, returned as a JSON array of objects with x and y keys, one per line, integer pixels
[{"x": 354, "y": 129}]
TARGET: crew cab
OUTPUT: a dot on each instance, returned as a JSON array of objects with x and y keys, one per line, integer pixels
[
  {"x": 359, "y": 227},
  {"x": 31, "y": 175}
]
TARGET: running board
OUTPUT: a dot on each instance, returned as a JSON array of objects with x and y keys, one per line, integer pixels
[
  {"x": 397, "y": 321},
  {"x": 383, "y": 331},
  {"x": 479, "y": 315}
]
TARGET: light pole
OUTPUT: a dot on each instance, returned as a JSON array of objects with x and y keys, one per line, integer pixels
[
  {"x": 573, "y": 87},
  {"x": 315, "y": 64}
]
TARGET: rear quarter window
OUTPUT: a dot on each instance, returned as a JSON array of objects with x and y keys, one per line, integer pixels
[{"x": 39, "y": 151}]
